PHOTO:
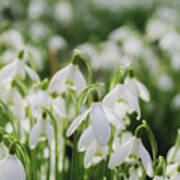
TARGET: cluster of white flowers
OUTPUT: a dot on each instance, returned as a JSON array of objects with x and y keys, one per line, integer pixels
[{"x": 39, "y": 108}]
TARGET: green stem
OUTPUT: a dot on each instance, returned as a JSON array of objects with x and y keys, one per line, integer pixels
[
  {"x": 81, "y": 56},
  {"x": 177, "y": 145},
  {"x": 56, "y": 139},
  {"x": 150, "y": 136}
]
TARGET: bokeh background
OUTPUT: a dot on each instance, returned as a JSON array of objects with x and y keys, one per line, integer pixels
[{"x": 145, "y": 33}]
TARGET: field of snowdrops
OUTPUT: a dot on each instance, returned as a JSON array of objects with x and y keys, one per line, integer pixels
[{"x": 89, "y": 90}]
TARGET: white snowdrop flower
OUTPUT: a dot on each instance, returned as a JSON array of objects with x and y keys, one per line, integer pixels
[
  {"x": 132, "y": 46},
  {"x": 120, "y": 34},
  {"x": 170, "y": 41},
  {"x": 63, "y": 12},
  {"x": 156, "y": 29},
  {"x": 57, "y": 42},
  {"x": 3, "y": 151},
  {"x": 14, "y": 69},
  {"x": 37, "y": 8},
  {"x": 36, "y": 100},
  {"x": 100, "y": 117},
  {"x": 175, "y": 61},
  {"x": 109, "y": 55},
  {"x": 160, "y": 178},
  {"x": 95, "y": 152},
  {"x": 120, "y": 140},
  {"x": 13, "y": 39},
  {"x": 165, "y": 83},
  {"x": 8, "y": 56},
  {"x": 9, "y": 128},
  {"x": 176, "y": 102},
  {"x": 135, "y": 147},
  {"x": 42, "y": 127},
  {"x": 68, "y": 77},
  {"x": 12, "y": 168},
  {"x": 39, "y": 31},
  {"x": 127, "y": 92}
]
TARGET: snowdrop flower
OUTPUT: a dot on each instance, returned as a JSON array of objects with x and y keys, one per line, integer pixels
[
  {"x": 165, "y": 82},
  {"x": 175, "y": 62},
  {"x": 135, "y": 147},
  {"x": 132, "y": 46},
  {"x": 13, "y": 39},
  {"x": 57, "y": 42},
  {"x": 134, "y": 174},
  {"x": 36, "y": 100},
  {"x": 63, "y": 12},
  {"x": 14, "y": 69},
  {"x": 100, "y": 117},
  {"x": 37, "y": 8},
  {"x": 68, "y": 77},
  {"x": 8, "y": 56},
  {"x": 127, "y": 92},
  {"x": 42, "y": 127},
  {"x": 12, "y": 168},
  {"x": 176, "y": 102},
  {"x": 156, "y": 29},
  {"x": 95, "y": 152}
]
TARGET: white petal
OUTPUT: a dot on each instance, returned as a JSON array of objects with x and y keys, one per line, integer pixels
[
  {"x": 12, "y": 168},
  {"x": 146, "y": 160},
  {"x": 78, "y": 79},
  {"x": 88, "y": 157},
  {"x": 113, "y": 96},
  {"x": 57, "y": 82},
  {"x": 76, "y": 123},
  {"x": 121, "y": 154},
  {"x": 35, "y": 134},
  {"x": 7, "y": 71},
  {"x": 114, "y": 118},
  {"x": 143, "y": 91},
  {"x": 176, "y": 177},
  {"x": 171, "y": 168},
  {"x": 32, "y": 74},
  {"x": 86, "y": 139},
  {"x": 49, "y": 131},
  {"x": 100, "y": 124},
  {"x": 3, "y": 151}
]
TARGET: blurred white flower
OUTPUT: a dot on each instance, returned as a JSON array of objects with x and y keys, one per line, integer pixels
[
  {"x": 8, "y": 56},
  {"x": 175, "y": 61},
  {"x": 63, "y": 12},
  {"x": 133, "y": 46},
  {"x": 176, "y": 102},
  {"x": 68, "y": 77},
  {"x": 42, "y": 127},
  {"x": 57, "y": 42},
  {"x": 13, "y": 39},
  {"x": 156, "y": 29},
  {"x": 160, "y": 178},
  {"x": 3, "y": 151},
  {"x": 37, "y": 8},
  {"x": 165, "y": 82},
  {"x": 11, "y": 167},
  {"x": 16, "y": 69},
  {"x": 170, "y": 41},
  {"x": 135, "y": 147},
  {"x": 39, "y": 31}
]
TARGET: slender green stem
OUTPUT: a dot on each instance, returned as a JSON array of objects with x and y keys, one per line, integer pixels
[
  {"x": 151, "y": 137},
  {"x": 56, "y": 139},
  {"x": 49, "y": 164}
]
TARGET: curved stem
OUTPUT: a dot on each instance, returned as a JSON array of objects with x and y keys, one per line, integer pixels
[{"x": 151, "y": 137}]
